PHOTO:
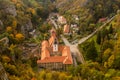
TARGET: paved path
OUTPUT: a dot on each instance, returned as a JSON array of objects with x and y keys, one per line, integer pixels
[
  {"x": 6, "y": 40},
  {"x": 54, "y": 23},
  {"x": 74, "y": 48},
  {"x": 92, "y": 34}
]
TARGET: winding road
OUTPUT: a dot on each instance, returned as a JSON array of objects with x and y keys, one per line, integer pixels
[{"x": 74, "y": 48}]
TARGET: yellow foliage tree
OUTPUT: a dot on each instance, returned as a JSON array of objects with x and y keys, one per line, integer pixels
[
  {"x": 107, "y": 54},
  {"x": 110, "y": 60},
  {"x": 14, "y": 1},
  {"x": 5, "y": 59},
  {"x": 18, "y": 5},
  {"x": 32, "y": 11},
  {"x": 9, "y": 29},
  {"x": 14, "y": 24},
  {"x": 19, "y": 37},
  {"x": 62, "y": 76},
  {"x": 11, "y": 35},
  {"x": 11, "y": 48},
  {"x": 116, "y": 78}
]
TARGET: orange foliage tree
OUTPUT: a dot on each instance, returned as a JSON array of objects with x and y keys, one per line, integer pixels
[{"x": 19, "y": 37}]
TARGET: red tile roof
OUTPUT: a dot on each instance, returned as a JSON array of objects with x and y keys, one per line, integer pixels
[
  {"x": 45, "y": 54},
  {"x": 67, "y": 61},
  {"x": 51, "y": 40},
  {"x": 102, "y": 19},
  {"x": 52, "y": 59},
  {"x": 47, "y": 49},
  {"x": 45, "y": 43},
  {"x": 66, "y": 28},
  {"x": 66, "y": 57}
]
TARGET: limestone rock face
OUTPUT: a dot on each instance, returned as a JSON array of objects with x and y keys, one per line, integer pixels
[
  {"x": 26, "y": 28},
  {"x": 3, "y": 75},
  {"x": 11, "y": 10},
  {"x": 1, "y": 25},
  {"x": 8, "y": 8}
]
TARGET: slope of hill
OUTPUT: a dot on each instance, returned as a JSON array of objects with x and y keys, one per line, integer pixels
[
  {"x": 65, "y": 5},
  {"x": 20, "y": 19}
]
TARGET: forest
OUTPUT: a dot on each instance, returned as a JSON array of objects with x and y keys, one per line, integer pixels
[{"x": 19, "y": 19}]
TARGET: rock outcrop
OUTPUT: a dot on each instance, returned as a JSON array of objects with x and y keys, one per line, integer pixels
[
  {"x": 3, "y": 75},
  {"x": 1, "y": 25},
  {"x": 27, "y": 28},
  {"x": 8, "y": 8}
]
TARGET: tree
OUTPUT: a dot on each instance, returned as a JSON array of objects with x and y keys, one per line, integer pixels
[
  {"x": 106, "y": 54},
  {"x": 62, "y": 76},
  {"x": 9, "y": 29},
  {"x": 55, "y": 75},
  {"x": 48, "y": 76},
  {"x": 19, "y": 37},
  {"x": 98, "y": 40},
  {"x": 111, "y": 29},
  {"x": 111, "y": 61},
  {"x": 107, "y": 44},
  {"x": 5, "y": 59},
  {"x": 14, "y": 24},
  {"x": 91, "y": 52},
  {"x": 11, "y": 69},
  {"x": 116, "y": 53},
  {"x": 104, "y": 35},
  {"x": 42, "y": 75},
  {"x": 12, "y": 51},
  {"x": 110, "y": 73},
  {"x": 116, "y": 63}
]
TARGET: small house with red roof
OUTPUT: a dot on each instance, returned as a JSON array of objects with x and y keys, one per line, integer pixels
[
  {"x": 66, "y": 29},
  {"x": 62, "y": 20},
  {"x": 53, "y": 55},
  {"x": 102, "y": 20}
]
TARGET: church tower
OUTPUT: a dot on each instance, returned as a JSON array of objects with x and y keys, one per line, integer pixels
[{"x": 55, "y": 45}]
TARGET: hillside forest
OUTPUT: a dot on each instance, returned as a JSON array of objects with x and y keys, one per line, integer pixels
[{"x": 24, "y": 24}]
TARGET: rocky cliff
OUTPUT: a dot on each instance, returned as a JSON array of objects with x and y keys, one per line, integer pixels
[{"x": 3, "y": 75}]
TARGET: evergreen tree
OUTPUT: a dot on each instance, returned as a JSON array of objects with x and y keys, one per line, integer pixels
[
  {"x": 111, "y": 29},
  {"x": 98, "y": 40},
  {"x": 91, "y": 52}
]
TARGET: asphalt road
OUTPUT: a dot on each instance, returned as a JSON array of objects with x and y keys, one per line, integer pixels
[{"x": 74, "y": 48}]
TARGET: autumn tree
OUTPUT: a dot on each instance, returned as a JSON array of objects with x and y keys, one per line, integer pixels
[
  {"x": 9, "y": 29},
  {"x": 12, "y": 51},
  {"x": 49, "y": 76},
  {"x": 19, "y": 37},
  {"x": 14, "y": 24},
  {"x": 107, "y": 53},
  {"x": 62, "y": 76},
  {"x": 116, "y": 53},
  {"x": 106, "y": 44}
]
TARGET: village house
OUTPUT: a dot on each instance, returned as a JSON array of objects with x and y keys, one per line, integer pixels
[
  {"x": 62, "y": 20},
  {"x": 66, "y": 29},
  {"x": 102, "y": 20},
  {"x": 53, "y": 55}
]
